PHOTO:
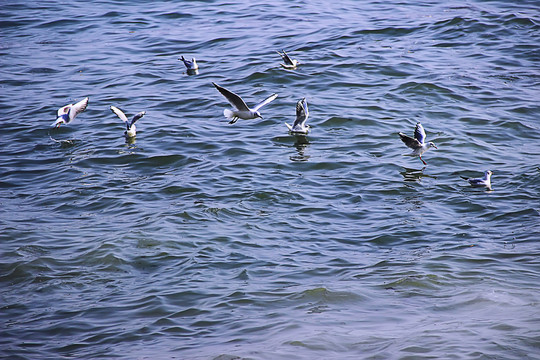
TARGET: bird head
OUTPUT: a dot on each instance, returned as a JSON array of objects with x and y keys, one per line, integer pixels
[
  {"x": 62, "y": 119},
  {"x": 432, "y": 145}
]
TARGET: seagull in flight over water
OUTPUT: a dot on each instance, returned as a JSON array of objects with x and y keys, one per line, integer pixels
[
  {"x": 481, "y": 182},
  {"x": 288, "y": 62},
  {"x": 302, "y": 113},
  {"x": 417, "y": 143},
  {"x": 66, "y": 114},
  {"x": 131, "y": 129},
  {"x": 240, "y": 109}
]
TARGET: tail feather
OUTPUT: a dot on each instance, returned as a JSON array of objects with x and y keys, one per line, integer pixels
[{"x": 229, "y": 114}]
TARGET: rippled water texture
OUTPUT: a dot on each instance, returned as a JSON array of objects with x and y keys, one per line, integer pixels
[{"x": 204, "y": 240}]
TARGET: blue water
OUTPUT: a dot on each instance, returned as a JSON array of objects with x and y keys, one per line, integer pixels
[{"x": 204, "y": 240}]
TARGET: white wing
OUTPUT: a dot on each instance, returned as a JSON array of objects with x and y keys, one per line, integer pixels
[
  {"x": 78, "y": 108},
  {"x": 265, "y": 101},
  {"x": 119, "y": 113}
]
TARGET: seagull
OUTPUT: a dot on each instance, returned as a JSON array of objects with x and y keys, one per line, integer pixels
[
  {"x": 417, "y": 144},
  {"x": 241, "y": 110},
  {"x": 190, "y": 65},
  {"x": 481, "y": 182},
  {"x": 67, "y": 113},
  {"x": 131, "y": 129},
  {"x": 302, "y": 114},
  {"x": 289, "y": 63}
]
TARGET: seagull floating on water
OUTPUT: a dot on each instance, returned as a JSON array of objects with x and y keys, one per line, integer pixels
[
  {"x": 481, "y": 182},
  {"x": 302, "y": 113},
  {"x": 190, "y": 65},
  {"x": 131, "y": 129},
  {"x": 241, "y": 110},
  {"x": 417, "y": 143},
  {"x": 289, "y": 63},
  {"x": 67, "y": 113}
]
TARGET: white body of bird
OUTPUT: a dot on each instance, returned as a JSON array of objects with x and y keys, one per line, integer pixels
[
  {"x": 131, "y": 129},
  {"x": 240, "y": 109},
  {"x": 66, "y": 114},
  {"x": 288, "y": 63},
  {"x": 481, "y": 182}
]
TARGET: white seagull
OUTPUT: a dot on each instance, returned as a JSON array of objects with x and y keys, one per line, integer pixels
[
  {"x": 240, "y": 109},
  {"x": 131, "y": 129},
  {"x": 190, "y": 65},
  {"x": 289, "y": 63},
  {"x": 481, "y": 182},
  {"x": 417, "y": 144},
  {"x": 67, "y": 113},
  {"x": 302, "y": 113}
]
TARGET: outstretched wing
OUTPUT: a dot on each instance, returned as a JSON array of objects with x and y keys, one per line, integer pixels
[
  {"x": 233, "y": 99},
  {"x": 265, "y": 101},
  {"x": 78, "y": 108},
  {"x": 286, "y": 59},
  {"x": 409, "y": 141},
  {"x": 119, "y": 113},
  {"x": 302, "y": 112},
  {"x": 137, "y": 117},
  {"x": 419, "y": 133}
]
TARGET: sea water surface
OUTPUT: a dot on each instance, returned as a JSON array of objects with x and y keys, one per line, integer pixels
[{"x": 204, "y": 240}]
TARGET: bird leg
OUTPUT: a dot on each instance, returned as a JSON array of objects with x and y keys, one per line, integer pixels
[
  {"x": 422, "y": 160},
  {"x": 234, "y": 119}
]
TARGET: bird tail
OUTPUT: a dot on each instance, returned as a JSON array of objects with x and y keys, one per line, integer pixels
[
  {"x": 229, "y": 114},
  {"x": 289, "y": 127}
]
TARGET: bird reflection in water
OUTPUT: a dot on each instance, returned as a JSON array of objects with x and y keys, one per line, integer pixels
[
  {"x": 414, "y": 174},
  {"x": 301, "y": 145}
]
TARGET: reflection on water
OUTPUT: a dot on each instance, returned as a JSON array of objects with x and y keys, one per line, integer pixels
[
  {"x": 414, "y": 174},
  {"x": 301, "y": 145}
]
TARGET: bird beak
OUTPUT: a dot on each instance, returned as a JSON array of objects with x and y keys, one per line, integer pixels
[{"x": 57, "y": 123}]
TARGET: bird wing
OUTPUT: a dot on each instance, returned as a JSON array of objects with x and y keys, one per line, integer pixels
[
  {"x": 78, "y": 108},
  {"x": 419, "y": 133},
  {"x": 233, "y": 99},
  {"x": 410, "y": 142},
  {"x": 137, "y": 117},
  {"x": 119, "y": 113},
  {"x": 186, "y": 62},
  {"x": 302, "y": 112},
  {"x": 265, "y": 101},
  {"x": 63, "y": 110},
  {"x": 286, "y": 58}
]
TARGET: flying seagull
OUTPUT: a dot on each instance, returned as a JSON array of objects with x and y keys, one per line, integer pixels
[
  {"x": 67, "y": 113},
  {"x": 302, "y": 113},
  {"x": 288, "y": 62},
  {"x": 417, "y": 143},
  {"x": 481, "y": 182},
  {"x": 240, "y": 109},
  {"x": 131, "y": 129}
]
